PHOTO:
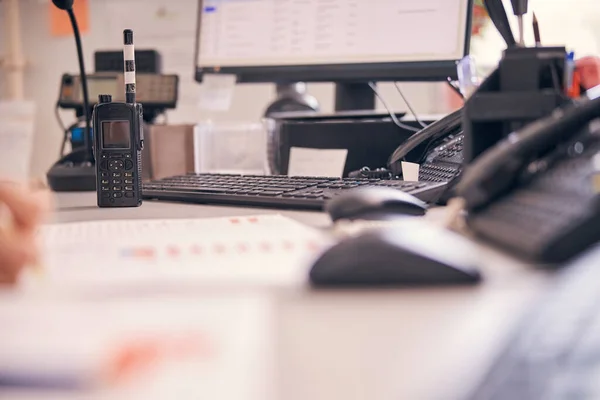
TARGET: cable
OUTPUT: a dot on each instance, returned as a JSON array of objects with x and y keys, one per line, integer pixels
[
  {"x": 84, "y": 86},
  {"x": 457, "y": 90},
  {"x": 61, "y": 124},
  {"x": 58, "y": 118},
  {"x": 555, "y": 79},
  {"x": 409, "y": 106},
  {"x": 64, "y": 131},
  {"x": 389, "y": 110}
]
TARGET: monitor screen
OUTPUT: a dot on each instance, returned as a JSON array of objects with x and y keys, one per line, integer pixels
[
  {"x": 307, "y": 37},
  {"x": 115, "y": 134}
]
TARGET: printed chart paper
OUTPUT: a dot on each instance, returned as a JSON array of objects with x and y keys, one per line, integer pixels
[{"x": 260, "y": 250}]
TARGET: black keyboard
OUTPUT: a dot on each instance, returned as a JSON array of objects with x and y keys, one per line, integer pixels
[
  {"x": 555, "y": 353},
  {"x": 276, "y": 191}
]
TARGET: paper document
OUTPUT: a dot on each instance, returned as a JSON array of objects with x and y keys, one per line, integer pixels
[
  {"x": 216, "y": 92},
  {"x": 159, "y": 347},
  {"x": 263, "y": 250},
  {"x": 317, "y": 162},
  {"x": 16, "y": 139}
]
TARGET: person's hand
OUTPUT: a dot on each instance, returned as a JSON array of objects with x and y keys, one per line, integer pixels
[{"x": 22, "y": 210}]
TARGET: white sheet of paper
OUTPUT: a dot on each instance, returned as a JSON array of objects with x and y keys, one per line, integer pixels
[
  {"x": 216, "y": 92},
  {"x": 317, "y": 162},
  {"x": 111, "y": 255},
  {"x": 410, "y": 171},
  {"x": 205, "y": 346}
]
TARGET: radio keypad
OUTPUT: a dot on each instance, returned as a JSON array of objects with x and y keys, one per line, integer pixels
[{"x": 117, "y": 164}]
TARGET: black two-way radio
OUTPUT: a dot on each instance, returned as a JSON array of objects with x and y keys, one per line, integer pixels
[{"x": 119, "y": 140}]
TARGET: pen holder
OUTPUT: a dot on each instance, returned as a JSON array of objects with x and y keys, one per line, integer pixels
[{"x": 528, "y": 84}]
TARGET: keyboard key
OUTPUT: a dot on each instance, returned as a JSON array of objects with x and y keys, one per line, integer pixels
[{"x": 270, "y": 193}]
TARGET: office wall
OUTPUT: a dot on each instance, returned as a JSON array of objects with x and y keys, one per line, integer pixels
[{"x": 49, "y": 57}]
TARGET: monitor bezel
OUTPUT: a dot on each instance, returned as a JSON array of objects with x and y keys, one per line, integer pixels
[{"x": 416, "y": 71}]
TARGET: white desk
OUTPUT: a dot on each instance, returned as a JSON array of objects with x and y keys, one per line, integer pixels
[{"x": 392, "y": 344}]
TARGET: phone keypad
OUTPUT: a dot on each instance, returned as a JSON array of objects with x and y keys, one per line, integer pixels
[{"x": 117, "y": 166}]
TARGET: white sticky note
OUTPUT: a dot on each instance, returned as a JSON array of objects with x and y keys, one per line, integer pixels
[
  {"x": 317, "y": 162},
  {"x": 216, "y": 92},
  {"x": 410, "y": 171}
]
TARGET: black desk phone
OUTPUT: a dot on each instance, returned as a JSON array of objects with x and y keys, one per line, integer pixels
[
  {"x": 537, "y": 192},
  {"x": 437, "y": 148}
]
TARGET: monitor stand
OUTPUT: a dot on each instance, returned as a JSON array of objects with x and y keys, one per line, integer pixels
[
  {"x": 354, "y": 96},
  {"x": 292, "y": 97}
]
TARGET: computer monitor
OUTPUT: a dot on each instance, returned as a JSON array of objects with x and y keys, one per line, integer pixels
[{"x": 349, "y": 42}]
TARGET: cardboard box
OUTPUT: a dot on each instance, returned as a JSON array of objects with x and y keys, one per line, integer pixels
[{"x": 171, "y": 150}]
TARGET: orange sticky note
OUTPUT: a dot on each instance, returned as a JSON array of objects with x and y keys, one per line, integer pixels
[{"x": 60, "y": 25}]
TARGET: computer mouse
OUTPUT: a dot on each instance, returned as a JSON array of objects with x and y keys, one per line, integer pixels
[
  {"x": 398, "y": 257},
  {"x": 374, "y": 204}
]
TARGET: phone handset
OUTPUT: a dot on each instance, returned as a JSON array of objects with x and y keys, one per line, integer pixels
[
  {"x": 441, "y": 128},
  {"x": 495, "y": 171}
]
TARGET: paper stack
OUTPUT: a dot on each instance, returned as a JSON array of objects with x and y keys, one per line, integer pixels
[{"x": 152, "y": 348}]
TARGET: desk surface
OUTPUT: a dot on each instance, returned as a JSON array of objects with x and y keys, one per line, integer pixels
[{"x": 392, "y": 344}]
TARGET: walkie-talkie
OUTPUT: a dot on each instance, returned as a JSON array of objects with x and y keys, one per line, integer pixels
[{"x": 119, "y": 140}]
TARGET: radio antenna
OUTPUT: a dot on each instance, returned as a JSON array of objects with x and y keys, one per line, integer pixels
[{"x": 129, "y": 65}]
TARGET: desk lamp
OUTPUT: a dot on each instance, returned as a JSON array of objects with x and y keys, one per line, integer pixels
[{"x": 75, "y": 172}]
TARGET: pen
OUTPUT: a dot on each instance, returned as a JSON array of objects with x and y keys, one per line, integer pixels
[
  {"x": 536, "y": 31},
  {"x": 569, "y": 71},
  {"x": 520, "y": 9}
]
